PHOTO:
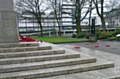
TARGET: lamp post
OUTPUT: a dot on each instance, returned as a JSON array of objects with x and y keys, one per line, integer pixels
[
  {"x": 93, "y": 34},
  {"x": 93, "y": 27}
]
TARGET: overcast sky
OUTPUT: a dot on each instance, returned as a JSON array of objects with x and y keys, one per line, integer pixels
[{"x": 94, "y": 11}]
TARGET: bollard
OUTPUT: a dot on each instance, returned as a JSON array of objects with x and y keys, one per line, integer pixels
[
  {"x": 77, "y": 47},
  {"x": 107, "y": 45},
  {"x": 96, "y": 46}
]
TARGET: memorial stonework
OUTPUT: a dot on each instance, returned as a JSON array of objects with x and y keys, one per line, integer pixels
[{"x": 8, "y": 22}]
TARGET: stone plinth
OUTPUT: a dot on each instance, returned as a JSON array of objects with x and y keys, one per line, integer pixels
[
  {"x": 92, "y": 38},
  {"x": 8, "y": 22}
]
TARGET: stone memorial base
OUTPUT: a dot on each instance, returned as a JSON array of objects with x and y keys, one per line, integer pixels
[
  {"x": 8, "y": 22},
  {"x": 93, "y": 38},
  {"x": 8, "y": 27}
]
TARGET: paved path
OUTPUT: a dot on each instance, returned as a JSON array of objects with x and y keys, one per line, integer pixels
[
  {"x": 112, "y": 46},
  {"x": 97, "y": 74}
]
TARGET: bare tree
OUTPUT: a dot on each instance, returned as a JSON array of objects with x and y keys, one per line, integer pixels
[
  {"x": 100, "y": 11},
  {"x": 56, "y": 6},
  {"x": 90, "y": 12},
  {"x": 80, "y": 11},
  {"x": 34, "y": 7},
  {"x": 111, "y": 4}
]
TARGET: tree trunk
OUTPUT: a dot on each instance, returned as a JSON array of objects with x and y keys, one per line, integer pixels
[
  {"x": 78, "y": 27},
  {"x": 103, "y": 23},
  {"x": 78, "y": 18},
  {"x": 41, "y": 29},
  {"x": 38, "y": 17},
  {"x": 59, "y": 29}
]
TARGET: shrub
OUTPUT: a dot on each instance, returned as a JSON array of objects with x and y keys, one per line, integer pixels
[
  {"x": 112, "y": 38},
  {"x": 87, "y": 36},
  {"x": 109, "y": 34},
  {"x": 74, "y": 36},
  {"x": 104, "y": 35},
  {"x": 113, "y": 33},
  {"x": 101, "y": 37},
  {"x": 81, "y": 35},
  {"x": 97, "y": 32},
  {"x": 117, "y": 32}
]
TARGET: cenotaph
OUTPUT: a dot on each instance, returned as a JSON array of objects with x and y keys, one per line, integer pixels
[{"x": 8, "y": 22}]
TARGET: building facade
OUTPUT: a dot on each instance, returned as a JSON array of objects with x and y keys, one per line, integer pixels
[
  {"x": 29, "y": 25},
  {"x": 113, "y": 18}
]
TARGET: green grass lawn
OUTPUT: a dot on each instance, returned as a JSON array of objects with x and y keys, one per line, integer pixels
[{"x": 58, "y": 39}]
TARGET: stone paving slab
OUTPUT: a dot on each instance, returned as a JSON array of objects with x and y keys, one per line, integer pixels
[
  {"x": 23, "y": 49},
  {"x": 106, "y": 73},
  {"x": 31, "y": 53},
  {"x": 10, "y": 45},
  {"x": 71, "y": 70},
  {"x": 57, "y": 71},
  {"x": 37, "y": 58},
  {"x": 112, "y": 46},
  {"x": 45, "y": 64},
  {"x": 110, "y": 73}
]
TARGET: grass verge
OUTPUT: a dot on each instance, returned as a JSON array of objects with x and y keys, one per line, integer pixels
[{"x": 57, "y": 40}]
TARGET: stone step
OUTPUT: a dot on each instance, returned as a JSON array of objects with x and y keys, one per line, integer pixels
[
  {"x": 31, "y": 53},
  {"x": 45, "y": 64},
  {"x": 37, "y": 58},
  {"x": 115, "y": 77},
  {"x": 23, "y": 49},
  {"x": 40, "y": 73},
  {"x": 11, "y": 45}
]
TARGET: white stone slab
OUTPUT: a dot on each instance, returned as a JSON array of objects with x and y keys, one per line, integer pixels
[
  {"x": 8, "y": 15},
  {"x": 8, "y": 22},
  {"x": 0, "y": 15},
  {"x": 8, "y": 27},
  {"x": 6, "y": 5}
]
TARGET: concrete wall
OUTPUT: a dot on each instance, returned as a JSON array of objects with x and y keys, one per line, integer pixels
[{"x": 8, "y": 22}]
